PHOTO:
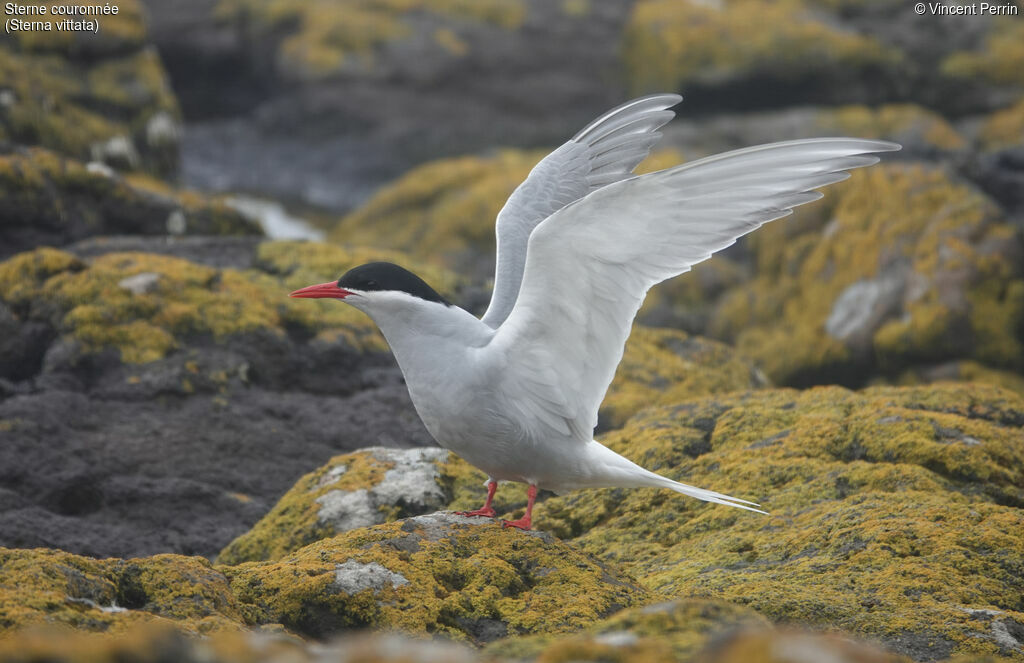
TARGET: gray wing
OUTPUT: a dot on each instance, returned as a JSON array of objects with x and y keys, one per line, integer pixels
[{"x": 605, "y": 151}]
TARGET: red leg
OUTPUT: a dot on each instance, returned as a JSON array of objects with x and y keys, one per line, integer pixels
[
  {"x": 524, "y": 522},
  {"x": 485, "y": 510}
]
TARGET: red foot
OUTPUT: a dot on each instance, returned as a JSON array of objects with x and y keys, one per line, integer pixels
[
  {"x": 485, "y": 511},
  {"x": 523, "y": 523}
]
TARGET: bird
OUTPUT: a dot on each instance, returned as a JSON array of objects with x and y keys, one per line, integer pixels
[{"x": 580, "y": 241}]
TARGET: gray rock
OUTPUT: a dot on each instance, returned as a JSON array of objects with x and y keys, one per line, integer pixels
[
  {"x": 352, "y": 577},
  {"x": 411, "y": 484}
]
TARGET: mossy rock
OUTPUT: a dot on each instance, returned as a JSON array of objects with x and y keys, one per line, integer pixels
[
  {"x": 379, "y": 485},
  {"x": 49, "y": 199},
  {"x": 900, "y": 266},
  {"x": 895, "y": 512},
  {"x": 441, "y": 574},
  {"x": 146, "y": 306},
  {"x": 444, "y": 211},
  {"x": 314, "y": 40},
  {"x": 662, "y": 366},
  {"x": 669, "y": 631},
  {"x": 671, "y": 45},
  {"x": 907, "y": 124},
  {"x": 998, "y": 58},
  {"x": 91, "y": 96},
  {"x": 359, "y": 489},
  {"x": 1003, "y": 129},
  {"x": 53, "y": 588}
]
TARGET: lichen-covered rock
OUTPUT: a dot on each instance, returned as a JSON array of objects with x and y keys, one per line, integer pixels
[
  {"x": 440, "y": 573},
  {"x": 442, "y": 211},
  {"x": 100, "y": 96},
  {"x": 662, "y": 366},
  {"x": 364, "y": 488},
  {"x": 268, "y": 645},
  {"x": 50, "y": 587},
  {"x": 95, "y": 304},
  {"x": 899, "y": 267},
  {"x": 323, "y": 39},
  {"x": 668, "y": 631},
  {"x": 139, "y": 345},
  {"x": 377, "y": 485},
  {"x": 50, "y": 200},
  {"x": 730, "y": 53},
  {"x": 895, "y": 512},
  {"x": 683, "y": 45}
]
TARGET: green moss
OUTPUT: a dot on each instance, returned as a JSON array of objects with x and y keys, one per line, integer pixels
[
  {"x": 448, "y": 576},
  {"x": 322, "y": 37},
  {"x": 893, "y": 510},
  {"x": 670, "y": 44},
  {"x": 947, "y": 237},
  {"x": 898, "y": 122}
]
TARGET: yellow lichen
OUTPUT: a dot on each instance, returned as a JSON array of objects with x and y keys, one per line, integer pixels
[
  {"x": 893, "y": 122},
  {"x": 942, "y": 231},
  {"x": 323, "y": 37},
  {"x": 1004, "y": 128},
  {"x": 89, "y": 304},
  {"x": 294, "y": 521},
  {"x": 893, "y": 510},
  {"x": 671, "y": 43},
  {"x": 444, "y": 577},
  {"x": 998, "y": 61}
]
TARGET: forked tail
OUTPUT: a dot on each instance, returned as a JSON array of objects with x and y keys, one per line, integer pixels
[{"x": 620, "y": 471}]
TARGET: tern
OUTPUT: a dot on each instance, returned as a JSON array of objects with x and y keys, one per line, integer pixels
[{"x": 579, "y": 242}]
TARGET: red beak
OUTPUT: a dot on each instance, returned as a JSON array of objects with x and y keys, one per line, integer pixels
[{"x": 322, "y": 290}]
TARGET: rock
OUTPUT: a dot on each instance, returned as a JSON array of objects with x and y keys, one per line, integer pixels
[
  {"x": 821, "y": 53},
  {"x": 267, "y": 645},
  {"x": 51, "y": 587},
  {"x": 832, "y": 302},
  {"x": 443, "y": 211},
  {"x": 893, "y": 511},
  {"x": 280, "y": 389},
  {"x": 101, "y": 96},
  {"x": 50, "y": 200},
  {"x": 378, "y": 89},
  {"x": 441, "y": 574},
  {"x": 662, "y": 366},
  {"x": 377, "y": 485},
  {"x": 364, "y": 488},
  {"x": 675, "y": 630}
]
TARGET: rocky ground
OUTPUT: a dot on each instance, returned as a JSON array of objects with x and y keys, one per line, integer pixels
[{"x": 195, "y": 468}]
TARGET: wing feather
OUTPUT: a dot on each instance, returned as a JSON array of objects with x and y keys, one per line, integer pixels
[
  {"x": 590, "y": 264},
  {"x": 605, "y": 151}
]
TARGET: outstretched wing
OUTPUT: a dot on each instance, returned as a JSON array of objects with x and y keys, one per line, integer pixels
[
  {"x": 605, "y": 151},
  {"x": 589, "y": 265}
]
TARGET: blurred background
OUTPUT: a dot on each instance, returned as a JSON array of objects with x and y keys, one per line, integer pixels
[
  {"x": 158, "y": 392},
  {"x": 166, "y": 182}
]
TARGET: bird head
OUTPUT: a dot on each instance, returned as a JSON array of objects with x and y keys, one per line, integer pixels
[{"x": 375, "y": 286}]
